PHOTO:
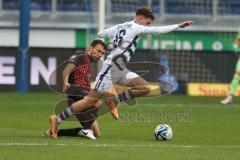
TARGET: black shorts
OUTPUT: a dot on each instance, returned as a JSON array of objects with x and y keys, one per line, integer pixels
[{"x": 87, "y": 116}]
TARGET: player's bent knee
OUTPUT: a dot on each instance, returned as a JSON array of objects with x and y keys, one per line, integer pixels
[
  {"x": 96, "y": 131},
  {"x": 97, "y": 134}
]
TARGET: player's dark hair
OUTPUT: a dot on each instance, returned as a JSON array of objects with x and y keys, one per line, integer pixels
[
  {"x": 98, "y": 41},
  {"x": 145, "y": 11}
]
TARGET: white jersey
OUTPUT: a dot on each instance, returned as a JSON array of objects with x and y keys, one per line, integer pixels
[{"x": 126, "y": 35}]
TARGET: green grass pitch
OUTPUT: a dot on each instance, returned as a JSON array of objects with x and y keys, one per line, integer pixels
[{"x": 202, "y": 129}]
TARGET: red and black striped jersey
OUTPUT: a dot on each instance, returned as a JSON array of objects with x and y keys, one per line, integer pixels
[{"x": 80, "y": 77}]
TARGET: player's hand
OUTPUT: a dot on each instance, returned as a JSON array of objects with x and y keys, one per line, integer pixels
[
  {"x": 185, "y": 24},
  {"x": 66, "y": 85}
]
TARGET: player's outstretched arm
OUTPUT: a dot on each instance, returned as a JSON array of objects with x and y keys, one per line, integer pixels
[{"x": 162, "y": 29}]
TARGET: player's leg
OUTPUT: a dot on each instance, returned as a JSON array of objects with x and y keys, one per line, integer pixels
[
  {"x": 233, "y": 85},
  {"x": 95, "y": 129},
  {"x": 87, "y": 102},
  {"x": 88, "y": 121},
  {"x": 70, "y": 132},
  {"x": 86, "y": 118},
  {"x": 92, "y": 132},
  {"x": 104, "y": 84},
  {"x": 137, "y": 87},
  {"x": 233, "y": 88},
  {"x": 75, "y": 108},
  {"x": 113, "y": 108}
]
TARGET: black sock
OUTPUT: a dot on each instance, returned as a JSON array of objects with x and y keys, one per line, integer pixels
[{"x": 71, "y": 132}]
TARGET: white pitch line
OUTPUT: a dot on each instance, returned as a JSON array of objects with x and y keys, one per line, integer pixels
[
  {"x": 139, "y": 104},
  {"x": 120, "y": 145}
]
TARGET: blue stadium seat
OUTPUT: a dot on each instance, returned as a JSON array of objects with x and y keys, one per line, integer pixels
[
  {"x": 122, "y": 6},
  {"x": 155, "y": 7},
  {"x": 188, "y": 6},
  {"x": 202, "y": 7},
  {"x": 229, "y": 7},
  {"x": 71, "y": 5},
  {"x": 10, "y": 4},
  {"x": 42, "y": 5}
]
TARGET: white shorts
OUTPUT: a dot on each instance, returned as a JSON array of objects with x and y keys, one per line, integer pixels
[{"x": 110, "y": 74}]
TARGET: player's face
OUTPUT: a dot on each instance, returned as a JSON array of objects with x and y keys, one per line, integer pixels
[
  {"x": 145, "y": 21},
  {"x": 97, "y": 51}
]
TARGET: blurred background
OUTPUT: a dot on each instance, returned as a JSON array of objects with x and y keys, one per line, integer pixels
[{"x": 201, "y": 58}]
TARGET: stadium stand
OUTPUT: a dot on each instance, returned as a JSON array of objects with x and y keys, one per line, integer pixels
[
  {"x": 188, "y": 6},
  {"x": 217, "y": 13},
  {"x": 229, "y": 7},
  {"x": 172, "y": 6}
]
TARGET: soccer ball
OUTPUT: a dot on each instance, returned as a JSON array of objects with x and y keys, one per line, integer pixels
[{"x": 163, "y": 132}]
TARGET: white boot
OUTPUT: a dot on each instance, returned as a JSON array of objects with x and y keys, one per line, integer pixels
[
  {"x": 88, "y": 133},
  {"x": 227, "y": 100}
]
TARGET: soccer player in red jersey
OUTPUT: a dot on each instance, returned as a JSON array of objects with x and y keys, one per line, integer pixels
[{"x": 76, "y": 83}]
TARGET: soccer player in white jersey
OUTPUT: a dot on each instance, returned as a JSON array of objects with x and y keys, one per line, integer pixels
[{"x": 125, "y": 37}]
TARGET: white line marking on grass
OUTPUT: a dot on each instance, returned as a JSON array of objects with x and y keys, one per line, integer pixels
[
  {"x": 120, "y": 145},
  {"x": 138, "y": 104}
]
